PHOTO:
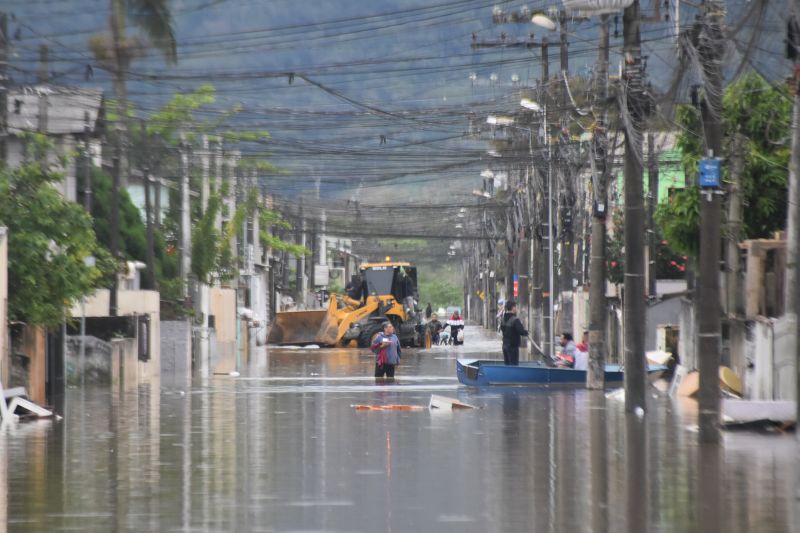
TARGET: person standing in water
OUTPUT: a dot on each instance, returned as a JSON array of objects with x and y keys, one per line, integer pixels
[
  {"x": 386, "y": 347},
  {"x": 513, "y": 331}
]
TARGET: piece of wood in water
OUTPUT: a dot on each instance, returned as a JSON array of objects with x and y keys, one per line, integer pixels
[{"x": 443, "y": 402}]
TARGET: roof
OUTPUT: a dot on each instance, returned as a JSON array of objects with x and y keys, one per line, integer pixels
[{"x": 66, "y": 107}]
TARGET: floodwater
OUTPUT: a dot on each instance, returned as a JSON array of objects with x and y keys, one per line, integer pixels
[{"x": 282, "y": 449}]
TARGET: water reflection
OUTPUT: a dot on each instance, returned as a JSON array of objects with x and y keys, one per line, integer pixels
[
  {"x": 283, "y": 450},
  {"x": 636, "y": 473},
  {"x": 598, "y": 450}
]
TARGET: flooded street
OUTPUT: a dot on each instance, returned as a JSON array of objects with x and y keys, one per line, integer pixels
[{"x": 282, "y": 449}]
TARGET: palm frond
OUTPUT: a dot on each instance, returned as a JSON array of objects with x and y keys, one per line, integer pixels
[{"x": 155, "y": 19}]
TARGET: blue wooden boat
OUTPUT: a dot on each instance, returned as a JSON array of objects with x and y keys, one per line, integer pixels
[{"x": 480, "y": 372}]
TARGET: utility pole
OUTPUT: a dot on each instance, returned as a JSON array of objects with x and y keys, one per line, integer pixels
[
  {"x": 152, "y": 284},
  {"x": 300, "y": 261},
  {"x": 566, "y": 200},
  {"x": 652, "y": 201},
  {"x": 595, "y": 377},
  {"x": 118, "y": 81},
  {"x": 792, "y": 285},
  {"x": 550, "y": 244},
  {"x": 710, "y": 45},
  {"x": 185, "y": 243},
  {"x": 205, "y": 169},
  {"x": 734, "y": 223},
  {"x": 219, "y": 179},
  {"x": 42, "y": 99},
  {"x": 4, "y": 87},
  {"x": 115, "y": 229},
  {"x": 87, "y": 164},
  {"x": 634, "y": 305}
]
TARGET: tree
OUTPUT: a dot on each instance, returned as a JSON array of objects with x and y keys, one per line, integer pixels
[
  {"x": 438, "y": 287},
  {"x": 761, "y": 113},
  {"x": 116, "y": 52},
  {"x": 158, "y": 146},
  {"x": 49, "y": 239}
]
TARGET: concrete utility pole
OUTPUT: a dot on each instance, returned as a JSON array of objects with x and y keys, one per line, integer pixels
[
  {"x": 792, "y": 286},
  {"x": 734, "y": 224},
  {"x": 115, "y": 227},
  {"x": 152, "y": 283},
  {"x": 652, "y": 202},
  {"x": 219, "y": 158},
  {"x": 87, "y": 164},
  {"x": 595, "y": 377},
  {"x": 710, "y": 45},
  {"x": 634, "y": 306},
  {"x": 205, "y": 169},
  {"x": 4, "y": 87},
  {"x": 185, "y": 243},
  {"x": 42, "y": 99},
  {"x": 566, "y": 200},
  {"x": 300, "y": 261},
  {"x": 119, "y": 82}
]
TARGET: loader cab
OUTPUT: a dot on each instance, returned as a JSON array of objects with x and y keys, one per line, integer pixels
[{"x": 396, "y": 279}]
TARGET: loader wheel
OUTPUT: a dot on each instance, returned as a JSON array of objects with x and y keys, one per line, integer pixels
[{"x": 367, "y": 334}]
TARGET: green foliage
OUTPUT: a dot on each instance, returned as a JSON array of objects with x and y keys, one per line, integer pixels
[
  {"x": 205, "y": 241},
  {"x": 679, "y": 221},
  {"x": 49, "y": 238},
  {"x": 179, "y": 112},
  {"x": 441, "y": 287},
  {"x": 155, "y": 19},
  {"x": 669, "y": 263},
  {"x": 761, "y": 113},
  {"x": 270, "y": 220},
  {"x": 133, "y": 240}
]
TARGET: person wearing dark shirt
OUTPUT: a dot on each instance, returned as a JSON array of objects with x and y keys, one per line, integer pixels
[
  {"x": 428, "y": 311},
  {"x": 513, "y": 331},
  {"x": 435, "y": 328}
]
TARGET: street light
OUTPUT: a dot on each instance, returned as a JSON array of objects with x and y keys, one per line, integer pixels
[
  {"x": 499, "y": 120},
  {"x": 527, "y": 103},
  {"x": 543, "y": 21}
]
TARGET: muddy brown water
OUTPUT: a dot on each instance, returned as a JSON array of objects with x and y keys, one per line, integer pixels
[{"x": 281, "y": 449}]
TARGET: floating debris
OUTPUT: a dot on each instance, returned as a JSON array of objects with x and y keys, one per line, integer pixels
[
  {"x": 391, "y": 407},
  {"x": 443, "y": 402}
]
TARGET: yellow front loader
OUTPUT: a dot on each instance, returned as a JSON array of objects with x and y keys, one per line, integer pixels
[{"x": 387, "y": 291}]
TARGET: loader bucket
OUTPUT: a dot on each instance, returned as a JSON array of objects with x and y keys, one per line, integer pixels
[
  {"x": 328, "y": 334},
  {"x": 297, "y": 327}
]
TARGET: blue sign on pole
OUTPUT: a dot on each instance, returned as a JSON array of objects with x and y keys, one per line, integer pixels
[{"x": 710, "y": 173}]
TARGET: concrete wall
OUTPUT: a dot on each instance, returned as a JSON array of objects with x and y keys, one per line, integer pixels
[
  {"x": 27, "y": 364},
  {"x": 686, "y": 341},
  {"x": 130, "y": 303},
  {"x": 95, "y": 369},
  {"x": 176, "y": 353},
  {"x": 666, "y": 312},
  {"x": 63, "y": 144},
  {"x": 95, "y": 305},
  {"x": 770, "y": 346},
  {"x": 580, "y": 313},
  {"x": 222, "y": 352},
  {"x": 223, "y": 307},
  {"x": 145, "y": 303},
  {"x": 125, "y": 365},
  {"x": 4, "y": 340}
]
